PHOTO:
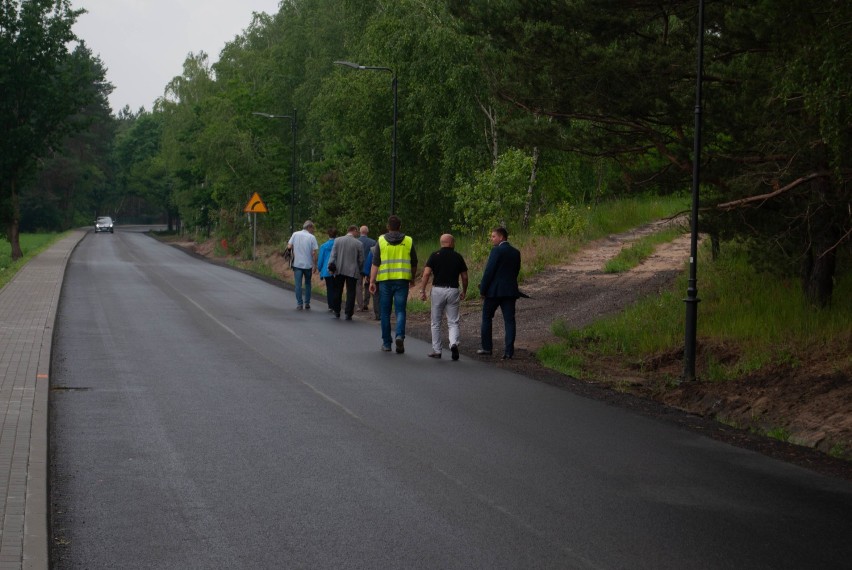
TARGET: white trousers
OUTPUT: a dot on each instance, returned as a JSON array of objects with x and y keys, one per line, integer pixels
[{"x": 445, "y": 300}]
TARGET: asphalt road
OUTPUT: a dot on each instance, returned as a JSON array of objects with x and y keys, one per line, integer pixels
[{"x": 199, "y": 421}]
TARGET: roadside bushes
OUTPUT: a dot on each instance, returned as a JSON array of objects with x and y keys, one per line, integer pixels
[{"x": 565, "y": 220}]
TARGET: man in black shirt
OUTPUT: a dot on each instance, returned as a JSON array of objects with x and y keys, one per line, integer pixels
[{"x": 447, "y": 266}]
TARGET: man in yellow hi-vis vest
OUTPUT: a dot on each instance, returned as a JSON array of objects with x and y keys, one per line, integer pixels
[{"x": 393, "y": 273}]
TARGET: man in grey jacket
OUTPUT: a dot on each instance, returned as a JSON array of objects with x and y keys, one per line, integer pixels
[{"x": 346, "y": 261}]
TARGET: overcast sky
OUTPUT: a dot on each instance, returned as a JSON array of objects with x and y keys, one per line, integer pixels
[{"x": 143, "y": 43}]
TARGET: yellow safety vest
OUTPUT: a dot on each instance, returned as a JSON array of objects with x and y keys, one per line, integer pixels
[{"x": 395, "y": 259}]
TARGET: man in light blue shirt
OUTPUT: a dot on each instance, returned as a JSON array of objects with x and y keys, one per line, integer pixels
[{"x": 303, "y": 247}]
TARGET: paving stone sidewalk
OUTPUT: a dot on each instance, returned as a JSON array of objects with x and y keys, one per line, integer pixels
[{"x": 27, "y": 313}]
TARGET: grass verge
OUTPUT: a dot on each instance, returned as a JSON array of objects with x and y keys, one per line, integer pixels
[
  {"x": 764, "y": 319},
  {"x": 31, "y": 245},
  {"x": 636, "y": 253},
  {"x": 539, "y": 252}
]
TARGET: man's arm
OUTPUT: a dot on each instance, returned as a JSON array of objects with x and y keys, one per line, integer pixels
[
  {"x": 427, "y": 272},
  {"x": 332, "y": 258},
  {"x": 463, "y": 293},
  {"x": 488, "y": 273},
  {"x": 314, "y": 253},
  {"x": 374, "y": 271},
  {"x": 413, "y": 267}
]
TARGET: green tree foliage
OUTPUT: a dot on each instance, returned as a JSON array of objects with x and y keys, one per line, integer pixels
[
  {"x": 565, "y": 220},
  {"x": 618, "y": 76},
  {"x": 73, "y": 182},
  {"x": 600, "y": 93},
  {"x": 143, "y": 176},
  {"x": 783, "y": 155},
  {"x": 42, "y": 86},
  {"x": 496, "y": 196}
]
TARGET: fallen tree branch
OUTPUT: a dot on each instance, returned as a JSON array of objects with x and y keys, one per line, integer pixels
[
  {"x": 832, "y": 248},
  {"x": 763, "y": 197}
]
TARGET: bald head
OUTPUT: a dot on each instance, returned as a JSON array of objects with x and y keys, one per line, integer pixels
[{"x": 447, "y": 240}]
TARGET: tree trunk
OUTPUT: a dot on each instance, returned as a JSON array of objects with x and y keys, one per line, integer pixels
[
  {"x": 13, "y": 223},
  {"x": 820, "y": 259},
  {"x": 818, "y": 276},
  {"x": 531, "y": 187},
  {"x": 491, "y": 131}
]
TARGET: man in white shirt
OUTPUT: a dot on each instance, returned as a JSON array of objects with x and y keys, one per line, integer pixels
[{"x": 303, "y": 247}]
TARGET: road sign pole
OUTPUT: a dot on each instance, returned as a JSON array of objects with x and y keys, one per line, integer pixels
[
  {"x": 255, "y": 206},
  {"x": 254, "y": 245}
]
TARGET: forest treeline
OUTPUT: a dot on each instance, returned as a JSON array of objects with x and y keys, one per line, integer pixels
[{"x": 509, "y": 112}]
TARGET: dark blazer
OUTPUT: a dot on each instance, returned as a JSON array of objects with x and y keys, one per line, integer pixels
[{"x": 500, "y": 278}]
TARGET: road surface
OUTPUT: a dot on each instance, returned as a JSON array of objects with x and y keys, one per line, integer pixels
[{"x": 199, "y": 421}]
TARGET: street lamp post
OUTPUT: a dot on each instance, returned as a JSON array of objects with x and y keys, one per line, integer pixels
[
  {"x": 293, "y": 169},
  {"x": 692, "y": 299},
  {"x": 393, "y": 147}
]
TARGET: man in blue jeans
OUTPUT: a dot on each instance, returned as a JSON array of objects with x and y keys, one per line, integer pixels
[
  {"x": 392, "y": 273},
  {"x": 303, "y": 247}
]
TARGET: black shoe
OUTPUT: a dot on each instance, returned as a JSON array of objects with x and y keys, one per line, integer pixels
[
  {"x": 308, "y": 307},
  {"x": 336, "y": 315},
  {"x": 400, "y": 345},
  {"x": 298, "y": 307},
  {"x": 434, "y": 355},
  {"x": 483, "y": 352},
  {"x": 455, "y": 351},
  {"x": 507, "y": 357},
  {"x": 348, "y": 317}
]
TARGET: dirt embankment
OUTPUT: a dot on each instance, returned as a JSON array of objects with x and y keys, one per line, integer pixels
[{"x": 811, "y": 403}]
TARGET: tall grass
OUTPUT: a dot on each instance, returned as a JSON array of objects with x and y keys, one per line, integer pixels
[
  {"x": 632, "y": 256},
  {"x": 31, "y": 245},
  {"x": 539, "y": 252},
  {"x": 621, "y": 215},
  {"x": 741, "y": 304},
  {"x": 764, "y": 318},
  {"x": 600, "y": 220}
]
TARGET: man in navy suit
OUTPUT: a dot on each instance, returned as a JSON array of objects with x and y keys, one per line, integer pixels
[{"x": 499, "y": 288}]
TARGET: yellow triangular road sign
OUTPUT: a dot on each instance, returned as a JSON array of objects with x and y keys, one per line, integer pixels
[{"x": 255, "y": 205}]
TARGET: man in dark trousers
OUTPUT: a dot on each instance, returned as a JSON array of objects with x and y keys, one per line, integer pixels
[
  {"x": 346, "y": 260},
  {"x": 362, "y": 291},
  {"x": 499, "y": 288}
]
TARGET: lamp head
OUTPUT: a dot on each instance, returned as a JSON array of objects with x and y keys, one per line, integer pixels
[{"x": 349, "y": 64}]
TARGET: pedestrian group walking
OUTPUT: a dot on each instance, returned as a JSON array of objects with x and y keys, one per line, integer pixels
[{"x": 386, "y": 269}]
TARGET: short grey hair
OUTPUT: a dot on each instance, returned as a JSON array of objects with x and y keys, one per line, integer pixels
[{"x": 308, "y": 224}]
